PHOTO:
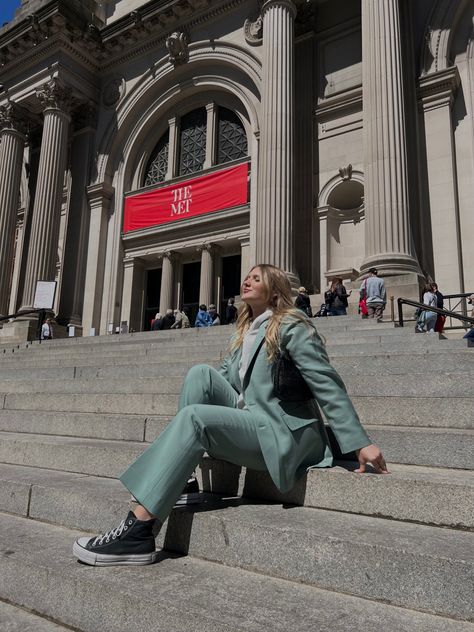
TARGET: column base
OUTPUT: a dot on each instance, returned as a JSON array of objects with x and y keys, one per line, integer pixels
[
  {"x": 19, "y": 331},
  {"x": 391, "y": 264}
]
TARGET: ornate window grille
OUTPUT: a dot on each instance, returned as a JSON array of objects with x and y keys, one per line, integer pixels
[
  {"x": 192, "y": 145},
  {"x": 231, "y": 137},
  {"x": 158, "y": 163}
]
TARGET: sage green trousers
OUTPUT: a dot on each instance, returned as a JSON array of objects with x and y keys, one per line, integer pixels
[{"x": 207, "y": 421}]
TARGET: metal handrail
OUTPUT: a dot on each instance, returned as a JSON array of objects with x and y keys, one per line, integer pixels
[
  {"x": 429, "y": 308},
  {"x": 41, "y": 316}
]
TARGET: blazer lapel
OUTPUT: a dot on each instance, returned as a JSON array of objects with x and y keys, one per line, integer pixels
[{"x": 259, "y": 340}]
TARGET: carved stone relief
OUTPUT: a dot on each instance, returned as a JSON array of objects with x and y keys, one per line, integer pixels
[
  {"x": 253, "y": 29},
  {"x": 113, "y": 91},
  {"x": 177, "y": 45},
  {"x": 55, "y": 94}
]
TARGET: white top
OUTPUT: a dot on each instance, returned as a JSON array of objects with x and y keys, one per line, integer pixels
[
  {"x": 247, "y": 345},
  {"x": 430, "y": 299}
]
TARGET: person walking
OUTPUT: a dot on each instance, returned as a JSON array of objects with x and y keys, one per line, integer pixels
[
  {"x": 230, "y": 312},
  {"x": 47, "y": 330},
  {"x": 203, "y": 318},
  {"x": 239, "y": 414},
  {"x": 337, "y": 298},
  {"x": 302, "y": 302},
  {"x": 376, "y": 295}
]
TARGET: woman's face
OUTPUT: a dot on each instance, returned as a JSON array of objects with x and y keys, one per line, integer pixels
[{"x": 253, "y": 291}]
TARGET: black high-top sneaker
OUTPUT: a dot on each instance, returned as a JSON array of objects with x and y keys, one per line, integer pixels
[
  {"x": 190, "y": 494},
  {"x": 131, "y": 543}
]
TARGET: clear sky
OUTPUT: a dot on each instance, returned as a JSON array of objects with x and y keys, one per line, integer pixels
[{"x": 7, "y": 9}]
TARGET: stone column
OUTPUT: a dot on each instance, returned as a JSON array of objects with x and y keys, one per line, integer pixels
[
  {"x": 274, "y": 242},
  {"x": 167, "y": 287},
  {"x": 12, "y": 145},
  {"x": 75, "y": 249},
  {"x": 437, "y": 92},
  {"x": 100, "y": 196},
  {"x": 133, "y": 293},
  {"x": 206, "y": 294},
  {"x": 388, "y": 240},
  {"x": 245, "y": 261},
  {"x": 43, "y": 246}
]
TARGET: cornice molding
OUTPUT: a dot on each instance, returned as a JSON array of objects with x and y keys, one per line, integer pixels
[
  {"x": 98, "y": 47},
  {"x": 438, "y": 89},
  {"x": 339, "y": 104}
]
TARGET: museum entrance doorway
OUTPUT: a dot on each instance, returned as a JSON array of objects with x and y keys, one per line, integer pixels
[
  {"x": 152, "y": 297},
  {"x": 231, "y": 275},
  {"x": 190, "y": 292}
]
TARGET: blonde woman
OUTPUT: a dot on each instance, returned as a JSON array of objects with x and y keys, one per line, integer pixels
[{"x": 234, "y": 414}]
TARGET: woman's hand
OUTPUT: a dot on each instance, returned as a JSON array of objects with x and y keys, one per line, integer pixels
[{"x": 371, "y": 454}]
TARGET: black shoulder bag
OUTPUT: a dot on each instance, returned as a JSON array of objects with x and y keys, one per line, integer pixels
[{"x": 288, "y": 383}]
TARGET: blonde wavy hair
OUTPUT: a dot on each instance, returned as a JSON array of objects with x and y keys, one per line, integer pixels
[{"x": 280, "y": 300}]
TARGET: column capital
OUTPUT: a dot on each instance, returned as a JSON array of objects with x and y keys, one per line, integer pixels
[
  {"x": 55, "y": 95},
  {"x": 288, "y": 4},
  {"x": 209, "y": 247},
  {"x": 99, "y": 193},
  {"x": 12, "y": 119},
  {"x": 168, "y": 254}
]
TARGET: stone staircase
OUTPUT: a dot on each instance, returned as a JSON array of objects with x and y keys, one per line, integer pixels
[{"x": 340, "y": 551}]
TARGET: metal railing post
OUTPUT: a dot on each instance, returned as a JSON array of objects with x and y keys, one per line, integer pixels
[{"x": 400, "y": 312}]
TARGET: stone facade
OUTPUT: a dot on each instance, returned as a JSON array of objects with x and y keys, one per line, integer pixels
[{"x": 360, "y": 148}]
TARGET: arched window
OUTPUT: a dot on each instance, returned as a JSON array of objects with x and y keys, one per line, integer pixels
[
  {"x": 228, "y": 139},
  {"x": 231, "y": 137},
  {"x": 158, "y": 163},
  {"x": 192, "y": 142}
]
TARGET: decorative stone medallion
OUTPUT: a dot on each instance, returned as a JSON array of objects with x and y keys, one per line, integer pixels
[{"x": 253, "y": 30}]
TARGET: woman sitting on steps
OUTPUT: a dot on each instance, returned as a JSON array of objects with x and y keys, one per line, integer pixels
[{"x": 238, "y": 415}]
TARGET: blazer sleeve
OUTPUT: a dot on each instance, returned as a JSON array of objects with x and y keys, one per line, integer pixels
[{"x": 308, "y": 353}]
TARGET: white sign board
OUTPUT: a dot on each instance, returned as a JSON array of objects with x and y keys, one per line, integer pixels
[{"x": 44, "y": 295}]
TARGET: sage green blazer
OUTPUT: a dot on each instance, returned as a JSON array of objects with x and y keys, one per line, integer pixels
[{"x": 292, "y": 434}]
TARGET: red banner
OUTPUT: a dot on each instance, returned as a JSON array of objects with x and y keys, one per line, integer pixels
[{"x": 206, "y": 194}]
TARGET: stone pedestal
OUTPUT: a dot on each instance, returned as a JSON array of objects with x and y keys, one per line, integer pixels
[
  {"x": 274, "y": 240},
  {"x": 388, "y": 239}
]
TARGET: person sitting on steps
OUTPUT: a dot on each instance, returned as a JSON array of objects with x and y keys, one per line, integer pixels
[{"x": 235, "y": 414}]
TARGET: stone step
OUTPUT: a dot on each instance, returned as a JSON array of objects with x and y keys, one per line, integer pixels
[
  {"x": 182, "y": 594},
  {"x": 407, "y": 385},
  {"x": 395, "y": 411},
  {"x": 441, "y": 497},
  {"x": 69, "y": 454},
  {"x": 14, "y": 619},
  {"x": 87, "y": 425},
  {"x": 384, "y": 364},
  {"x": 432, "y": 412},
  {"x": 433, "y": 447},
  {"x": 409, "y": 565}
]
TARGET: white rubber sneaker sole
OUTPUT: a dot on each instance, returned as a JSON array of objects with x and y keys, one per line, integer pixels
[{"x": 100, "y": 559}]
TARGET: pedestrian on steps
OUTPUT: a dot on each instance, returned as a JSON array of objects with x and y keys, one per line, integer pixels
[{"x": 246, "y": 413}]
